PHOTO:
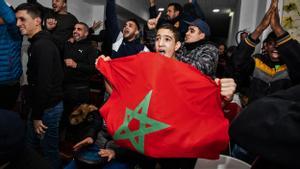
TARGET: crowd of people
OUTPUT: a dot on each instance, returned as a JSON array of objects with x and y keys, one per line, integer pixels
[{"x": 62, "y": 127}]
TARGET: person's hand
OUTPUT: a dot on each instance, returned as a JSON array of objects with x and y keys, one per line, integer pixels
[
  {"x": 71, "y": 40},
  {"x": 2, "y": 21},
  {"x": 228, "y": 87},
  {"x": 152, "y": 23},
  {"x": 105, "y": 58},
  {"x": 51, "y": 23},
  {"x": 39, "y": 127},
  {"x": 85, "y": 142},
  {"x": 152, "y": 3},
  {"x": 70, "y": 63},
  {"x": 265, "y": 22},
  {"x": 275, "y": 22},
  {"x": 96, "y": 25},
  {"x": 110, "y": 154}
]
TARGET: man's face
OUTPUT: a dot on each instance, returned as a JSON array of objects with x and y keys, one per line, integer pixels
[
  {"x": 193, "y": 34},
  {"x": 58, "y": 5},
  {"x": 28, "y": 26},
  {"x": 221, "y": 49},
  {"x": 130, "y": 30},
  {"x": 243, "y": 36},
  {"x": 272, "y": 51},
  {"x": 165, "y": 43},
  {"x": 171, "y": 13},
  {"x": 80, "y": 32}
]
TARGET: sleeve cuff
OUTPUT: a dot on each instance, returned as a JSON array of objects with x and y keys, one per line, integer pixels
[
  {"x": 283, "y": 38},
  {"x": 251, "y": 42}
]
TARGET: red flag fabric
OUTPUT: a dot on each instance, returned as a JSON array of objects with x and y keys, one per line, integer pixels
[{"x": 163, "y": 108}]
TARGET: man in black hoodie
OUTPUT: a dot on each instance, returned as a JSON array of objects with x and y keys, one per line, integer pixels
[
  {"x": 79, "y": 59},
  {"x": 45, "y": 76}
]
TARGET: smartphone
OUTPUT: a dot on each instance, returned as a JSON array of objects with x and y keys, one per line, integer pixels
[{"x": 161, "y": 9}]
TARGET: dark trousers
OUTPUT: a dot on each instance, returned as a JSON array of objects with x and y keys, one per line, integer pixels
[
  {"x": 9, "y": 95},
  {"x": 178, "y": 163},
  {"x": 74, "y": 96},
  {"x": 28, "y": 159}
]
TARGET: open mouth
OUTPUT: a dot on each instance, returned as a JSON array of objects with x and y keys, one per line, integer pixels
[
  {"x": 54, "y": 7},
  {"x": 161, "y": 51},
  {"x": 275, "y": 54},
  {"x": 126, "y": 32}
]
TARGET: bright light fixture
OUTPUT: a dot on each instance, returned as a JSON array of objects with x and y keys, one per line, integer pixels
[{"x": 216, "y": 10}]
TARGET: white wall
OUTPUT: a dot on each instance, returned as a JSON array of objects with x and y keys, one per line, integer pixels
[
  {"x": 138, "y": 7},
  {"x": 234, "y": 25},
  {"x": 250, "y": 14},
  {"x": 86, "y": 12}
]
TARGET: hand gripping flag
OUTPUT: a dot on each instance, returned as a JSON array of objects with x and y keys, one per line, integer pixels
[{"x": 163, "y": 108}]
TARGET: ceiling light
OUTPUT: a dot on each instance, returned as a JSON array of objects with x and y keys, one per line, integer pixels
[
  {"x": 216, "y": 10},
  {"x": 228, "y": 11}
]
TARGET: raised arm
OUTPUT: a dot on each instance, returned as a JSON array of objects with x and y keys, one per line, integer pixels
[
  {"x": 288, "y": 47},
  {"x": 152, "y": 9},
  {"x": 8, "y": 17},
  {"x": 112, "y": 21},
  {"x": 7, "y": 14},
  {"x": 243, "y": 62},
  {"x": 199, "y": 11}
]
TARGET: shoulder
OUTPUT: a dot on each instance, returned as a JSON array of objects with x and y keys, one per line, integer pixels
[
  {"x": 72, "y": 16},
  {"x": 209, "y": 45}
]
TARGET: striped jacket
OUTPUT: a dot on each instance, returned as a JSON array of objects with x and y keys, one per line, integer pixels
[
  {"x": 266, "y": 75},
  {"x": 10, "y": 46}
]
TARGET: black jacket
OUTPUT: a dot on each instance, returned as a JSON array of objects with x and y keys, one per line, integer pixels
[
  {"x": 84, "y": 54},
  {"x": 291, "y": 50},
  {"x": 265, "y": 79},
  {"x": 44, "y": 74},
  {"x": 269, "y": 127}
]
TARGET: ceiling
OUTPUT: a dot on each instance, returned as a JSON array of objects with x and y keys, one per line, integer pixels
[{"x": 219, "y": 22}]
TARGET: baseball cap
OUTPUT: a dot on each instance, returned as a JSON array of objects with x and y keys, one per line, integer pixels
[{"x": 202, "y": 25}]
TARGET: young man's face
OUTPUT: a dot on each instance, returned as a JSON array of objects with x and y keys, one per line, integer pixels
[
  {"x": 272, "y": 51},
  {"x": 58, "y": 5},
  {"x": 130, "y": 30},
  {"x": 193, "y": 34},
  {"x": 165, "y": 43},
  {"x": 80, "y": 32},
  {"x": 28, "y": 26},
  {"x": 171, "y": 13}
]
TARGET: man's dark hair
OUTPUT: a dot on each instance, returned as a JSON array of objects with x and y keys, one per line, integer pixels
[
  {"x": 85, "y": 25},
  {"x": 32, "y": 9},
  {"x": 135, "y": 21},
  {"x": 271, "y": 37},
  {"x": 173, "y": 29},
  {"x": 177, "y": 7}
]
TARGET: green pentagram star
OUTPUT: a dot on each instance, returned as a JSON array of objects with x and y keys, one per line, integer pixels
[{"x": 147, "y": 125}]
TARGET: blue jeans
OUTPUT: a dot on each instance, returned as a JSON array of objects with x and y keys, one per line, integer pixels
[
  {"x": 111, "y": 165},
  {"x": 49, "y": 142}
]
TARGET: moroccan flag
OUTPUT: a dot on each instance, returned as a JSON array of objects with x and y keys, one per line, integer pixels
[{"x": 163, "y": 108}]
